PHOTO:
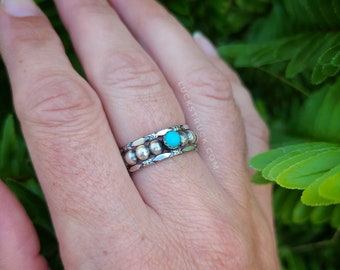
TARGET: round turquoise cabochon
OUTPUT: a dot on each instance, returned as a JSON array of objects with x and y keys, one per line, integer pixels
[{"x": 172, "y": 139}]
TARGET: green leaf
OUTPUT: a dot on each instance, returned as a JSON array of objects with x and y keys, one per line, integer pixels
[
  {"x": 323, "y": 127},
  {"x": 178, "y": 8},
  {"x": 8, "y": 146},
  {"x": 329, "y": 55},
  {"x": 288, "y": 206},
  {"x": 326, "y": 65},
  {"x": 304, "y": 172},
  {"x": 312, "y": 196},
  {"x": 335, "y": 219},
  {"x": 321, "y": 214},
  {"x": 336, "y": 59},
  {"x": 307, "y": 50},
  {"x": 330, "y": 187},
  {"x": 304, "y": 53},
  {"x": 317, "y": 14},
  {"x": 274, "y": 169},
  {"x": 260, "y": 161},
  {"x": 259, "y": 179},
  {"x": 330, "y": 70},
  {"x": 318, "y": 76},
  {"x": 14, "y": 158},
  {"x": 301, "y": 213},
  {"x": 319, "y": 116},
  {"x": 256, "y": 55},
  {"x": 279, "y": 199}
]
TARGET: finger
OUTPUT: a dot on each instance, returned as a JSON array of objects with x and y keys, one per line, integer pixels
[
  {"x": 256, "y": 130},
  {"x": 204, "y": 93},
  {"x": 132, "y": 89},
  {"x": 70, "y": 142},
  {"x": 135, "y": 94},
  {"x": 19, "y": 244}
]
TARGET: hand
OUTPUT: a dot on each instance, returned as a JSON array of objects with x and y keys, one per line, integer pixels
[{"x": 144, "y": 73}]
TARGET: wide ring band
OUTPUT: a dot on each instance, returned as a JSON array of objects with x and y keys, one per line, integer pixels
[{"x": 158, "y": 146}]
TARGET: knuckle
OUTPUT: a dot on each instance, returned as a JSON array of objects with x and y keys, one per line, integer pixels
[
  {"x": 231, "y": 75},
  {"x": 56, "y": 100},
  {"x": 210, "y": 83},
  {"x": 129, "y": 70},
  {"x": 227, "y": 247},
  {"x": 33, "y": 33},
  {"x": 226, "y": 244}
]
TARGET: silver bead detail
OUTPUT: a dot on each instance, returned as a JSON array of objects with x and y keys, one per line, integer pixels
[
  {"x": 192, "y": 137},
  {"x": 130, "y": 157},
  {"x": 184, "y": 138},
  {"x": 156, "y": 147},
  {"x": 142, "y": 152}
]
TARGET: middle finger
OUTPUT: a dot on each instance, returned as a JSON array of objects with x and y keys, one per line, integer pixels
[{"x": 135, "y": 95}]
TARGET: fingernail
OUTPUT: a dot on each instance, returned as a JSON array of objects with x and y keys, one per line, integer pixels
[
  {"x": 20, "y": 8},
  {"x": 205, "y": 44}
]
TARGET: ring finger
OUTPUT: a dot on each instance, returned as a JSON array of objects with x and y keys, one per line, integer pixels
[{"x": 204, "y": 92}]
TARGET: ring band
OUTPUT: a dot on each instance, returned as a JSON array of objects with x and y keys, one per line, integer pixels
[{"x": 158, "y": 146}]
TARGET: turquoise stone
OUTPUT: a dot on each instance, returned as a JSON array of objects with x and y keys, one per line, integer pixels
[{"x": 172, "y": 139}]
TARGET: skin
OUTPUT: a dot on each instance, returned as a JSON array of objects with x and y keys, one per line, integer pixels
[{"x": 144, "y": 72}]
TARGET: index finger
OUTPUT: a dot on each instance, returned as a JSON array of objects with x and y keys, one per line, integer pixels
[{"x": 74, "y": 153}]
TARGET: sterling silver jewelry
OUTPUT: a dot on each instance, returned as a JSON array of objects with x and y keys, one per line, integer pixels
[{"x": 158, "y": 146}]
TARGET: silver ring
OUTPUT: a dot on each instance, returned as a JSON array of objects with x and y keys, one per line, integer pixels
[{"x": 158, "y": 146}]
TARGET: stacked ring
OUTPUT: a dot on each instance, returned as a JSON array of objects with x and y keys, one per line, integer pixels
[{"x": 158, "y": 146}]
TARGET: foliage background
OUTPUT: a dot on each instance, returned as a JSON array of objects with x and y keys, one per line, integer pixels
[{"x": 288, "y": 54}]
